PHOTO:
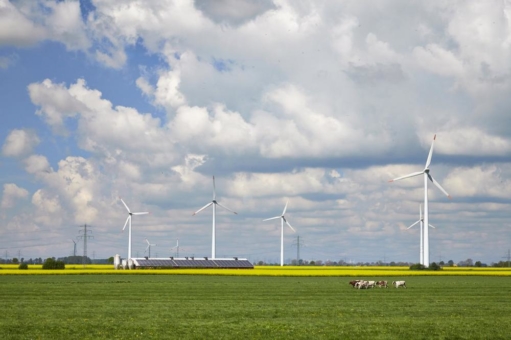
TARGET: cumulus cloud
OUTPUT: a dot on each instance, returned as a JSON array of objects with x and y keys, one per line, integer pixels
[
  {"x": 16, "y": 28},
  {"x": 25, "y": 23},
  {"x": 11, "y": 194},
  {"x": 20, "y": 143}
]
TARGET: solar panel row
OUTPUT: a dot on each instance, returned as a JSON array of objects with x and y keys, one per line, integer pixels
[{"x": 142, "y": 263}]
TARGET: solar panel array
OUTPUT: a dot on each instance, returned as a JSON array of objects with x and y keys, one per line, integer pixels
[{"x": 189, "y": 263}]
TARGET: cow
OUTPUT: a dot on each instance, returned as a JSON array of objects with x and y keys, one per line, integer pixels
[
  {"x": 398, "y": 284},
  {"x": 382, "y": 284},
  {"x": 353, "y": 283},
  {"x": 371, "y": 284}
]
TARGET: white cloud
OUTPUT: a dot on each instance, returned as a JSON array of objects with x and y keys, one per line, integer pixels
[
  {"x": 16, "y": 28},
  {"x": 20, "y": 143},
  {"x": 491, "y": 180},
  {"x": 11, "y": 194},
  {"x": 36, "y": 164}
]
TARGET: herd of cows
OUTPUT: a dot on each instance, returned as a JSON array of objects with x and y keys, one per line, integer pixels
[{"x": 363, "y": 284}]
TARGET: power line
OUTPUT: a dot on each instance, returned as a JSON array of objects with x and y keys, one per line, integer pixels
[
  {"x": 508, "y": 257},
  {"x": 298, "y": 243},
  {"x": 85, "y": 236}
]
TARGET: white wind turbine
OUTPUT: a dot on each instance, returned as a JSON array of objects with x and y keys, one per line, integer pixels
[
  {"x": 149, "y": 245},
  {"x": 427, "y": 176},
  {"x": 282, "y": 220},
  {"x": 214, "y": 203},
  {"x": 421, "y": 221},
  {"x": 177, "y": 248},
  {"x": 128, "y": 221}
]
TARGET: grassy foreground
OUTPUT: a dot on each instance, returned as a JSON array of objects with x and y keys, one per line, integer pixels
[{"x": 251, "y": 307}]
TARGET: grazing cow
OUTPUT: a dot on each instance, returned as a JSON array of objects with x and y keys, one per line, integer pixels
[
  {"x": 354, "y": 282},
  {"x": 382, "y": 284},
  {"x": 398, "y": 284},
  {"x": 371, "y": 284}
]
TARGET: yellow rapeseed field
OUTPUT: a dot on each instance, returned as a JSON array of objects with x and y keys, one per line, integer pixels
[{"x": 262, "y": 271}]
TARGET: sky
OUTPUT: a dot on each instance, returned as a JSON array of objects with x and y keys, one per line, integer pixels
[{"x": 312, "y": 102}]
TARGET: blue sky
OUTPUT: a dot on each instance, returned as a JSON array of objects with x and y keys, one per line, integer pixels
[{"x": 314, "y": 102}]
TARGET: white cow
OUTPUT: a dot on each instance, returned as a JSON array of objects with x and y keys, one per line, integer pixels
[
  {"x": 398, "y": 284},
  {"x": 371, "y": 284}
]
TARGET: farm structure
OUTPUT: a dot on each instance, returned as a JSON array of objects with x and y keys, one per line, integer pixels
[{"x": 191, "y": 262}]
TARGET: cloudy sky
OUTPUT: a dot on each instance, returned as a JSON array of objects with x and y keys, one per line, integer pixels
[{"x": 315, "y": 102}]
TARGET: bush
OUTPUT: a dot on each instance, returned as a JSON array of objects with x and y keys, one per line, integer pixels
[
  {"x": 432, "y": 266},
  {"x": 417, "y": 266},
  {"x": 52, "y": 264},
  {"x": 23, "y": 266}
]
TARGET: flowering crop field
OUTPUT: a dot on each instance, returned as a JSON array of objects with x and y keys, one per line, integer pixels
[
  {"x": 120, "y": 306},
  {"x": 264, "y": 271}
]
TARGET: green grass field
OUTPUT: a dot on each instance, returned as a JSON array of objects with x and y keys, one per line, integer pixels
[{"x": 253, "y": 307}]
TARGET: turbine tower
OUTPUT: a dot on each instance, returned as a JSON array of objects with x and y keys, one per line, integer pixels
[
  {"x": 421, "y": 221},
  {"x": 427, "y": 176},
  {"x": 282, "y": 220},
  {"x": 177, "y": 248},
  {"x": 214, "y": 203},
  {"x": 128, "y": 221},
  {"x": 149, "y": 245}
]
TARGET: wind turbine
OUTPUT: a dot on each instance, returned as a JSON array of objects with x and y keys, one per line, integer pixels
[
  {"x": 282, "y": 220},
  {"x": 214, "y": 203},
  {"x": 421, "y": 221},
  {"x": 177, "y": 248},
  {"x": 427, "y": 176},
  {"x": 149, "y": 245},
  {"x": 128, "y": 221}
]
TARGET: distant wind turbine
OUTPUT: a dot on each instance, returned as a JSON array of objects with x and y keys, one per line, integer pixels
[
  {"x": 421, "y": 221},
  {"x": 177, "y": 248},
  {"x": 427, "y": 176},
  {"x": 214, "y": 203},
  {"x": 149, "y": 245},
  {"x": 282, "y": 220},
  {"x": 128, "y": 221}
]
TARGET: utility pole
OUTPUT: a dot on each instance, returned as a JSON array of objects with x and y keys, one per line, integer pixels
[
  {"x": 297, "y": 243},
  {"x": 85, "y": 235},
  {"x": 508, "y": 257}
]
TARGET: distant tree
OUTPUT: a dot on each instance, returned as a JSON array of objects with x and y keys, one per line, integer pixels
[
  {"x": 312, "y": 263},
  {"x": 442, "y": 263},
  {"x": 111, "y": 260},
  {"x": 260, "y": 263},
  {"x": 15, "y": 260},
  {"x": 417, "y": 266},
  {"x": 50, "y": 263},
  {"x": 450, "y": 263},
  {"x": 478, "y": 264},
  {"x": 23, "y": 266},
  {"x": 434, "y": 266}
]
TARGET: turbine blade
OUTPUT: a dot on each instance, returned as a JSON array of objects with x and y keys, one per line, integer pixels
[
  {"x": 407, "y": 176},
  {"x": 285, "y": 208},
  {"x": 226, "y": 208},
  {"x": 432, "y": 226},
  {"x": 214, "y": 189},
  {"x": 438, "y": 185},
  {"x": 428, "y": 162},
  {"x": 140, "y": 213},
  {"x": 272, "y": 218},
  {"x": 125, "y": 224},
  {"x": 289, "y": 225},
  {"x": 204, "y": 207},
  {"x": 413, "y": 224},
  {"x": 125, "y": 206},
  {"x": 147, "y": 241}
]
